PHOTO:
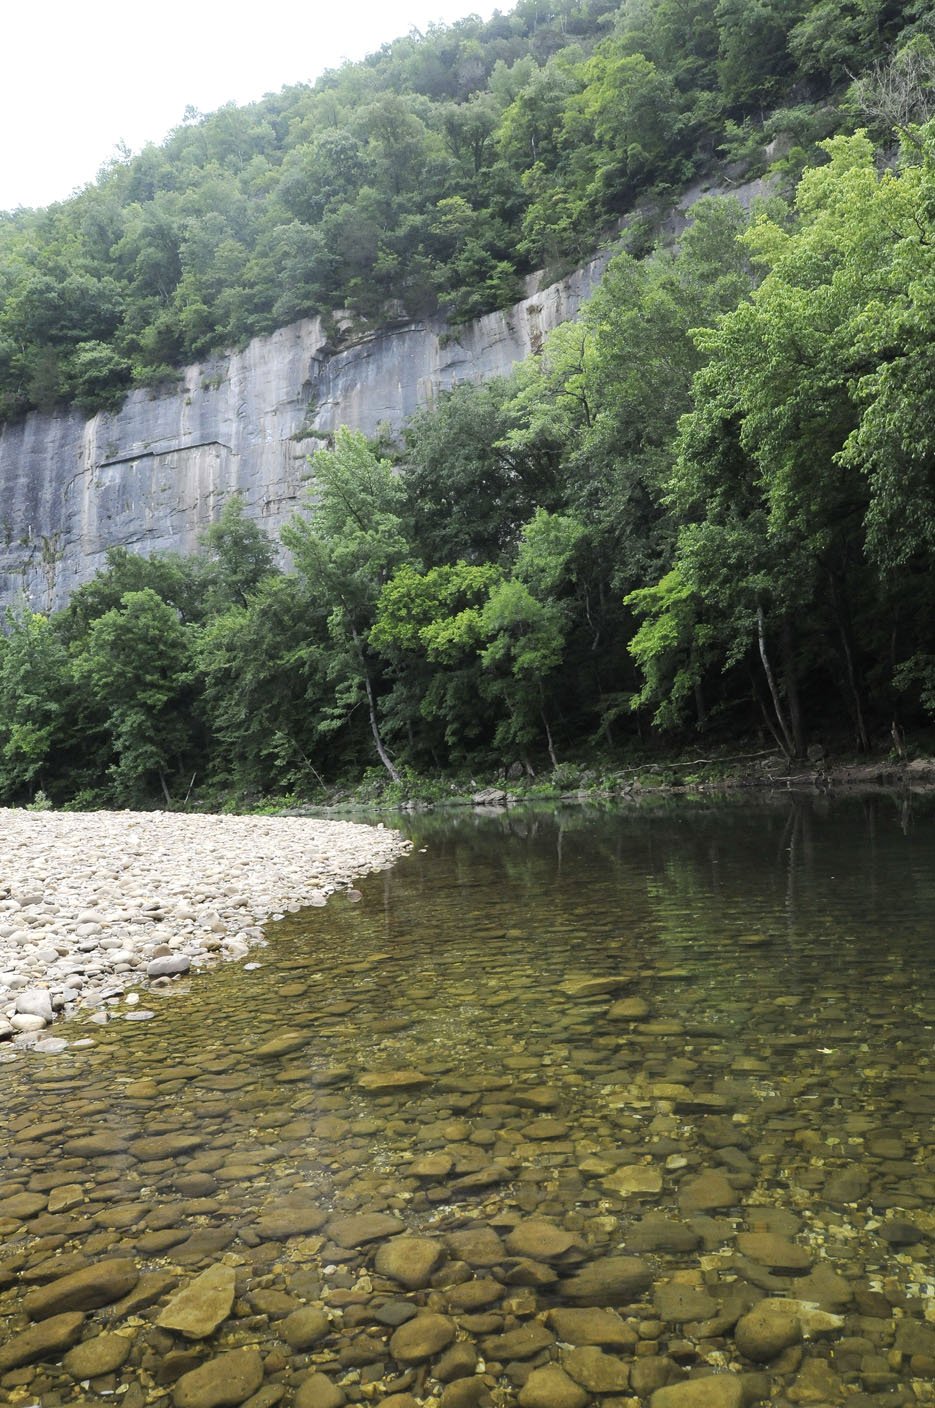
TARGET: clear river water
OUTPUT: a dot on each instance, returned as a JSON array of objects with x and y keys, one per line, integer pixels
[{"x": 574, "y": 1106}]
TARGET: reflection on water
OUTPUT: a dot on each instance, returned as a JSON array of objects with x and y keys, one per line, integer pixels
[{"x": 698, "y": 1037}]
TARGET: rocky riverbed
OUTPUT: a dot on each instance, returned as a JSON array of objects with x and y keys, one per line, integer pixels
[
  {"x": 94, "y": 906},
  {"x": 527, "y": 1127}
]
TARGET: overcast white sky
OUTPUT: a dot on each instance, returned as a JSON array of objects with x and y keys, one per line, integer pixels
[{"x": 79, "y": 78}]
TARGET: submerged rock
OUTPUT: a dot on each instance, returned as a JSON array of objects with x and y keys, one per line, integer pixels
[
  {"x": 421, "y": 1337},
  {"x": 198, "y": 1310},
  {"x": 223, "y": 1382},
  {"x": 94, "y": 1286},
  {"x": 42, "y": 1341},
  {"x": 409, "y": 1260},
  {"x": 611, "y": 1280},
  {"x": 551, "y": 1387},
  {"x": 103, "y": 1354},
  {"x": 389, "y": 1082},
  {"x": 357, "y": 1229},
  {"x": 765, "y": 1332},
  {"x": 712, "y": 1391}
]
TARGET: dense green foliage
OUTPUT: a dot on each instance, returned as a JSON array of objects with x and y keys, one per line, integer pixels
[
  {"x": 430, "y": 177},
  {"x": 707, "y": 507}
]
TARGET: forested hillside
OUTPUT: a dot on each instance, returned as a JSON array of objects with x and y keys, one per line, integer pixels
[
  {"x": 430, "y": 177},
  {"x": 706, "y": 509}
]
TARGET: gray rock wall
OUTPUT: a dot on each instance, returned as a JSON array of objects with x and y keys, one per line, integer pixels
[{"x": 153, "y": 474}]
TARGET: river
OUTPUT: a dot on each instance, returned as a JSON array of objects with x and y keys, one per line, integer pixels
[{"x": 574, "y": 1105}]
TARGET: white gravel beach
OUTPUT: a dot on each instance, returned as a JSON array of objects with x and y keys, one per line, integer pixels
[{"x": 96, "y": 905}]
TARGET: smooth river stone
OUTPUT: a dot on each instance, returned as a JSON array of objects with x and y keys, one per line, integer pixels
[
  {"x": 540, "y": 1240},
  {"x": 305, "y": 1327},
  {"x": 478, "y": 1246},
  {"x": 763, "y": 1334},
  {"x": 551, "y": 1387},
  {"x": 284, "y": 1044},
  {"x": 221, "y": 1383},
  {"x": 661, "y": 1234},
  {"x": 774, "y": 1252},
  {"x": 591, "y": 1325},
  {"x": 53, "y": 1268},
  {"x": 409, "y": 1260},
  {"x": 95, "y": 1146},
  {"x": 168, "y": 966},
  {"x": 42, "y": 1341},
  {"x": 357, "y": 1229},
  {"x": 202, "y": 1306},
  {"x": 677, "y": 1302},
  {"x": 317, "y": 1391},
  {"x": 546, "y": 1128},
  {"x": 633, "y": 1180},
  {"x": 459, "y": 1361},
  {"x": 537, "y": 1097},
  {"x": 629, "y": 1009},
  {"x": 421, "y": 1337},
  {"x": 65, "y": 1197},
  {"x": 101, "y": 1355},
  {"x": 22, "y": 1206},
  {"x": 707, "y": 1192},
  {"x": 96, "y": 1285},
  {"x": 524, "y": 1343},
  {"x": 594, "y": 987},
  {"x": 477, "y": 1294},
  {"x": 431, "y": 1166},
  {"x": 141, "y": 1090},
  {"x": 389, "y": 1082},
  {"x": 289, "y": 1220},
  {"x": 522, "y": 1271},
  {"x": 846, "y": 1185},
  {"x": 713, "y": 1391},
  {"x": 611, "y": 1280},
  {"x": 596, "y": 1371},
  {"x": 166, "y": 1146}
]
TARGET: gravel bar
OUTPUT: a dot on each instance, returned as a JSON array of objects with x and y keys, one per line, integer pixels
[{"x": 94, "y": 904}]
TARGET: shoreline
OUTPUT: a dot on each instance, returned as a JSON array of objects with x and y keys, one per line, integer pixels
[
  {"x": 651, "y": 781},
  {"x": 94, "y": 905}
]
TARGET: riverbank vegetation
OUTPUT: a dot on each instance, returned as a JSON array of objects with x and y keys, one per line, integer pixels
[
  {"x": 700, "y": 517},
  {"x": 703, "y": 513}
]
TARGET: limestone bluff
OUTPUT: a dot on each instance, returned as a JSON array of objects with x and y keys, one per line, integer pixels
[{"x": 151, "y": 475}]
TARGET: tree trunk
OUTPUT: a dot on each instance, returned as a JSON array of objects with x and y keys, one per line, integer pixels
[
  {"x": 700, "y": 711},
  {"x": 382, "y": 754},
  {"x": 788, "y": 746},
  {"x": 768, "y": 722},
  {"x": 842, "y": 617},
  {"x": 548, "y": 739},
  {"x": 790, "y": 675}
]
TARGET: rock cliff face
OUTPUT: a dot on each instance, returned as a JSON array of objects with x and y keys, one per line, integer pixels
[{"x": 153, "y": 474}]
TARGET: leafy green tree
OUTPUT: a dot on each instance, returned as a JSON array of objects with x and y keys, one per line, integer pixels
[
  {"x": 176, "y": 580},
  {"x": 137, "y": 660},
  {"x": 262, "y": 666},
  {"x": 798, "y": 503},
  {"x": 627, "y": 120},
  {"x": 428, "y": 628},
  {"x": 524, "y": 625},
  {"x": 37, "y": 690},
  {"x": 469, "y": 488},
  {"x": 239, "y": 556},
  {"x": 345, "y": 548}
]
